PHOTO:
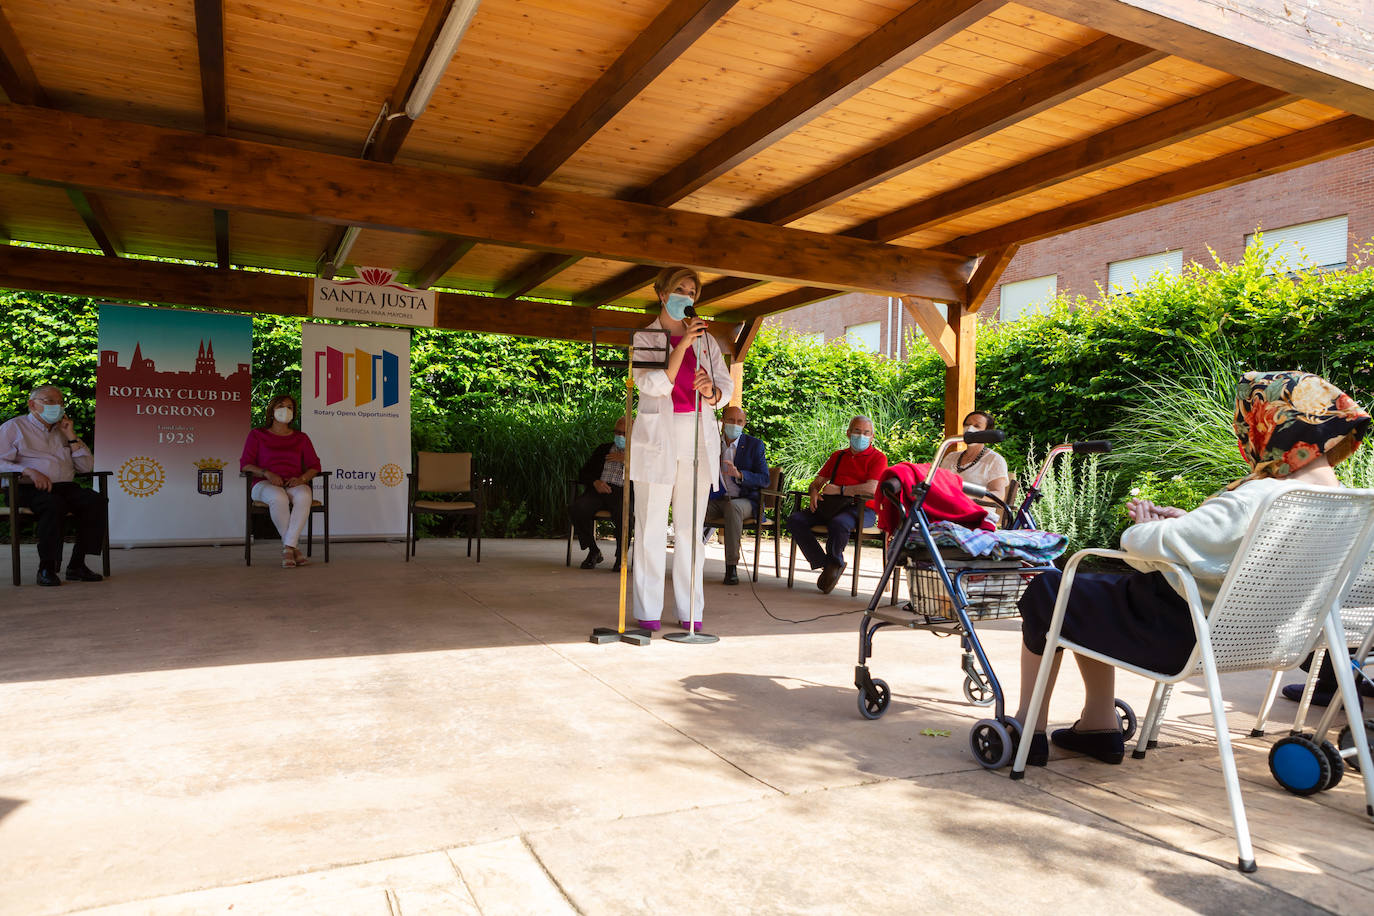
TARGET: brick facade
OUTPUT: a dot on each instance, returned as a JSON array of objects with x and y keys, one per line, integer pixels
[{"x": 1343, "y": 186}]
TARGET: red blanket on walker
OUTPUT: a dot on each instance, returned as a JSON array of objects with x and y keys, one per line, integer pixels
[{"x": 945, "y": 502}]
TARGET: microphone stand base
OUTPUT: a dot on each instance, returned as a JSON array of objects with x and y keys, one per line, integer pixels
[
  {"x": 635, "y": 636},
  {"x": 693, "y": 638}
]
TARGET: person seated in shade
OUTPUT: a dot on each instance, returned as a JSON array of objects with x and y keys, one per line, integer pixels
[
  {"x": 1292, "y": 428},
  {"x": 836, "y": 499},
  {"x": 283, "y": 462},
  {"x": 43, "y": 448},
  {"x": 603, "y": 480},
  {"x": 735, "y": 497},
  {"x": 978, "y": 463}
]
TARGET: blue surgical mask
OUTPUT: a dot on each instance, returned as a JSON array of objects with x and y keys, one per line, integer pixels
[
  {"x": 619, "y": 441},
  {"x": 858, "y": 442},
  {"x": 676, "y": 306},
  {"x": 52, "y": 413},
  {"x": 732, "y": 431}
]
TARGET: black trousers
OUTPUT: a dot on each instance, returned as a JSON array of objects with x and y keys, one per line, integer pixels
[
  {"x": 582, "y": 513},
  {"x": 50, "y": 510}
]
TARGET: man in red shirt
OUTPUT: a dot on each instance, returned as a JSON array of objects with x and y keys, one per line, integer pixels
[{"x": 836, "y": 500}]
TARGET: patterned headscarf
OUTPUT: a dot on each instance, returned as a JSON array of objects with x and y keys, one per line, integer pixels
[{"x": 1284, "y": 420}]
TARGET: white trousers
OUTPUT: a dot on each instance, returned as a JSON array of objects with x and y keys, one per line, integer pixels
[
  {"x": 289, "y": 512},
  {"x": 651, "y": 531}
]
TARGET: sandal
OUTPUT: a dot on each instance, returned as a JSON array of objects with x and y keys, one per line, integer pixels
[
  {"x": 288, "y": 559},
  {"x": 301, "y": 559}
]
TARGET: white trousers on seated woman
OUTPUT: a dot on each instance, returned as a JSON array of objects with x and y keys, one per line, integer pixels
[
  {"x": 290, "y": 509},
  {"x": 651, "y": 531}
]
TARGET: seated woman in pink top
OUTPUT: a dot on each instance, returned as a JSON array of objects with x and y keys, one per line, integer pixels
[{"x": 283, "y": 463}]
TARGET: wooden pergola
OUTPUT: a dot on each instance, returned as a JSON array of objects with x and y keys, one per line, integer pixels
[{"x": 534, "y": 150}]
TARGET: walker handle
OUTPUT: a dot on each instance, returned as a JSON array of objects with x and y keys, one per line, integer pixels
[
  {"x": 984, "y": 436},
  {"x": 975, "y": 491},
  {"x": 1092, "y": 446}
]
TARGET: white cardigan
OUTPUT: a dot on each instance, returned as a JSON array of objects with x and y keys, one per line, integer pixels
[
  {"x": 652, "y": 457},
  {"x": 1204, "y": 541}
]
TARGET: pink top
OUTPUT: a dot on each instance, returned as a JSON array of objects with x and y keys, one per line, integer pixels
[
  {"x": 684, "y": 387},
  {"x": 289, "y": 456}
]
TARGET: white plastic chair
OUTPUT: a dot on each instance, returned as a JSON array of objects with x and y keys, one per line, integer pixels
[{"x": 1281, "y": 592}]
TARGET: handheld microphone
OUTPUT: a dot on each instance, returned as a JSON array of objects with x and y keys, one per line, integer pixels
[{"x": 691, "y": 312}]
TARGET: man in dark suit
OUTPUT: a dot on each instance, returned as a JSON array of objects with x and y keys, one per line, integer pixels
[
  {"x": 735, "y": 497},
  {"x": 603, "y": 479}
]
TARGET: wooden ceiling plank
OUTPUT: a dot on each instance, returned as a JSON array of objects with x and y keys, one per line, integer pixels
[
  {"x": 545, "y": 266},
  {"x": 745, "y": 339},
  {"x": 393, "y": 131},
  {"x": 985, "y": 276},
  {"x": 17, "y": 78},
  {"x": 222, "y": 239},
  {"x": 1092, "y": 66},
  {"x": 1231, "y": 103},
  {"x": 933, "y": 321},
  {"x": 724, "y": 288},
  {"x": 448, "y": 254},
  {"x": 97, "y": 221},
  {"x": 792, "y": 299},
  {"x": 674, "y": 30},
  {"x": 256, "y": 293},
  {"x": 1332, "y": 139},
  {"x": 893, "y": 45},
  {"x": 210, "y": 46},
  {"x": 1298, "y": 48},
  {"x": 617, "y": 287}
]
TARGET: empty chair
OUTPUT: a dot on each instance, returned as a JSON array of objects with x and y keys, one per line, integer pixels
[{"x": 448, "y": 474}]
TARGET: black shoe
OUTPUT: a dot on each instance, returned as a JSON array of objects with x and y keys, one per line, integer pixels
[
  {"x": 83, "y": 573},
  {"x": 1107, "y": 745},
  {"x": 48, "y": 577},
  {"x": 731, "y": 577},
  {"x": 829, "y": 576},
  {"x": 593, "y": 558},
  {"x": 616, "y": 567},
  {"x": 1039, "y": 753}
]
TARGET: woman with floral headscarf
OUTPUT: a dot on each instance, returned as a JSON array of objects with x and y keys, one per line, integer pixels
[{"x": 1292, "y": 428}]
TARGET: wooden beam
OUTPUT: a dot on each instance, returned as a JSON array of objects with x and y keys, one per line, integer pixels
[
  {"x": 523, "y": 281},
  {"x": 263, "y": 293},
  {"x": 17, "y": 78},
  {"x": 1226, "y": 105},
  {"x": 960, "y": 377},
  {"x": 1332, "y": 139},
  {"x": 782, "y": 302},
  {"x": 933, "y": 320},
  {"x": 1087, "y": 68},
  {"x": 724, "y": 288},
  {"x": 210, "y": 48},
  {"x": 1318, "y": 51},
  {"x": 985, "y": 276},
  {"x": 441, "y": 262},
  {"x": 893, "y": 45},
  {"x": 233, "y": 174},
  {"x": 222, "y": 239},
  {"x": 392, "y": 132},
  {"x": 97, "y": 221},
  {"x": 673, "y": 31},
  {"x": 745, "y": 339}
]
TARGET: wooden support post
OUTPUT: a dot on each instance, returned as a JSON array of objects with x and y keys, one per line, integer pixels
[{"x": 959, "y": 377}]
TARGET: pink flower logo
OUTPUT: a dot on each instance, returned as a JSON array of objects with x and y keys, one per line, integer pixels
[{"x": 376, "y": 276}]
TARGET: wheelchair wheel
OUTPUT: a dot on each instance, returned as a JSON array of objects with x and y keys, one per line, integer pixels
[
  {"x": 978, "y": 691},
  {"x": 1333, "y": 757},
  {"x": 1126, "y": 715},
  {"x": 875, "y": 707},
  {"x": 1299, "y": 765},
  {"x": 1346, "y": 742},
  {"x": 991, "y": 744}
]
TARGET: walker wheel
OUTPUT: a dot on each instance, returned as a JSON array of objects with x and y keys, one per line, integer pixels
[
  {"x": 978, "y": 691},
  {"x": 1299, "y": 765},
  {"x": 872, "y": 708},
  {"x": 1333, "y": 757},
  {"x": 991, "y": 744},
  {"x": 1126, "y": 715},
  {"x": 1346, "y": 742}
]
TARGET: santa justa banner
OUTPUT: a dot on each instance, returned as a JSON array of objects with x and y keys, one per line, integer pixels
[
  {"x": 172, "y": 412},
  {"x": 355, "y": 406}
]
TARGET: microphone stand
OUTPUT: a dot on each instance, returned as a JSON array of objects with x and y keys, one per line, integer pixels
[{"x": 693, "y": 635}]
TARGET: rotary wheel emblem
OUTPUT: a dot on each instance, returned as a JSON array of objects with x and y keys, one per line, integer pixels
[
  {"x": 391, "y": 474},
  {"x": 141, "y": 476}
]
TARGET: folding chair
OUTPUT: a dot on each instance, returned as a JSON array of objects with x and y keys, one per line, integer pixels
[{"x": 1281, "y": 592}]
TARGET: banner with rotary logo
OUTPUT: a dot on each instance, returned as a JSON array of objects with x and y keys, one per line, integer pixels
[
  {"x": 172, "y": 409},
  {"x": 355, "y": 406}
]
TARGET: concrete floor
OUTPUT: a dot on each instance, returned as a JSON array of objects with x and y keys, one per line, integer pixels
[{"x": 376, "y": 737}]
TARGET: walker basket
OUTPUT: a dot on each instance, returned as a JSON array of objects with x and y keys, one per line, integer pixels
[{"x": 991, "y": 592}]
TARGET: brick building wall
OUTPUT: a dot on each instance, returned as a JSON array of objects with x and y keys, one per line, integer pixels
[{"x": 1343, "y": 186}]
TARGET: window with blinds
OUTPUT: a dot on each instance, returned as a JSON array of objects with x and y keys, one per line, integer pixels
[
  {"x": 866, "y": 336},
  {"x": 1129, "y": 275},
  {"x": 1318, "y": 245},
  {"x": 1028, "y": 297}
]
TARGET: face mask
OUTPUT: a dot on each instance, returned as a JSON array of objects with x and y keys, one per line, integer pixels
[
  {"x": 620, "y": 442},
  {"x": 858, "y": 442},
  {"x": 52, "y": 413},
  {"x": 676, "y": 306},
  {"x": 732, "y": 431},
  {"x": 971, "y": 429},
  {"x": 283, "y": 414}
]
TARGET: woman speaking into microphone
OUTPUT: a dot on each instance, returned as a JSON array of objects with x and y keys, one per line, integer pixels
[{"x": 674, "y": 429}]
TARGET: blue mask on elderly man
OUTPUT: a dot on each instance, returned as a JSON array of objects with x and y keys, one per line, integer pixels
[
  {"x": 676, "y": 306},
  {"x": 858, "y": 442},
  {"x": 52, "y": 413},
  {"x": 732, "y": 431},
  {"x": 619, "y": 441}
]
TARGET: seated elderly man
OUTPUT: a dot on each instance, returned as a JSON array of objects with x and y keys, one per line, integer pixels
[
  {"x": 836, "y": 500},
  {"x": 735, "y": 497},
  {"x": 44, "y": 448},
  {"x": 603, "y": 479}
]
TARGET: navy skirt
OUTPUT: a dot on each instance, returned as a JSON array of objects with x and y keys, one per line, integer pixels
[{"x": 1135, "y": 617}]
